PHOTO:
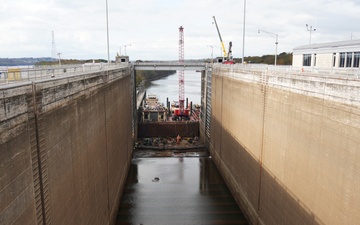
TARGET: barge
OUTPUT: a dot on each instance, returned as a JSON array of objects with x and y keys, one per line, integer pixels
[{"x": 154, "y": 111}]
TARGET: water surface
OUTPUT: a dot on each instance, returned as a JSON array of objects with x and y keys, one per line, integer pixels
[
  {"x": 168, "y": 87},
  {"x": 184, "y": 190}
]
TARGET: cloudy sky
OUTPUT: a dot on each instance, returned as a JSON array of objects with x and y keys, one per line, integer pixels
[{"x": 151, "y": 26}]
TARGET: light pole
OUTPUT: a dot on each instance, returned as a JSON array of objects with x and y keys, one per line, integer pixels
[
  {"x": 59, "y": 58},
  {"x": 107, "y": 31},
  {"x": 212, "y": 53},
  {"x": 276, "y": 42},
  {"x": 310, "y": 29},
  {"x": 243, "y": 50},
  {"x": 125, "y": 48},
  {"x": 352, "y": 36}
]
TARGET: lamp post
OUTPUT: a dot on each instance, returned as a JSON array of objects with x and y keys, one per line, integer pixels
[
  {"x": 243, "y": 50},
  {"x": 59, "y": 58},
  {"x": 125, "y": 47},
  {"x": 352, "y": 36},
  {"x": 276, "y": 42},
  {"x": 212, "y": 53},
  {"x": 310, "y": 29},
  {"x": 107, "y": 31}
]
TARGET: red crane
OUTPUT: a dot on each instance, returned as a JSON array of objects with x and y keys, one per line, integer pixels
[
  {"x": 181, "y": 72},
  {"x": 181, "y": 111}
]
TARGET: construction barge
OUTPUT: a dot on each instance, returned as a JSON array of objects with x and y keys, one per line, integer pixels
[
  {"x": 163, "y": 127},
  {"x": 154, "y": 111}
]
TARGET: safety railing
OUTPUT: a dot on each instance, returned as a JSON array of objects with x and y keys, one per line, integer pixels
[
  {"x": 12, "y": 75},
  {"x": 312, "y": 71}
]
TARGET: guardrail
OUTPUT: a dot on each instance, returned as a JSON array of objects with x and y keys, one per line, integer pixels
[
  {"x": 20, "y": 74},
  {"x": 174, "y": 65},
  {"x": 310, "y": 71}
]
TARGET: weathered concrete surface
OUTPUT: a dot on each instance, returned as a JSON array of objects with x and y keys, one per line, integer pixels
[
  {"x": 64, "y": 158},
  {"x": 288, "y": 146},
  {"x": 17, "y": 194}
]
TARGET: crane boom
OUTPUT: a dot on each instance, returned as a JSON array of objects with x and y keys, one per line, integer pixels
[{"x": 221, "y": 41}]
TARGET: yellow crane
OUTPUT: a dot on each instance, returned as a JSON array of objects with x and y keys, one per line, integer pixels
[
  {"x": 227, "y": 56},
  {"x": 221, "y": 41}
]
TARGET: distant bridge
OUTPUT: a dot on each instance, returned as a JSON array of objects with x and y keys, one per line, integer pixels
[{"x": 170, "y": 66}]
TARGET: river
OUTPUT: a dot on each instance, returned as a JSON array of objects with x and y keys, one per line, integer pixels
[{"x": 168, "y": 87}]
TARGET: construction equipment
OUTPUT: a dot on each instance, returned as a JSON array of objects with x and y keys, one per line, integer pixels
[
  {"x": 181, "y": 112},
  {"x": 227, "y": 58}
]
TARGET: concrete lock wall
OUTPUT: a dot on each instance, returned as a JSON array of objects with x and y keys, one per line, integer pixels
[
  {"x": 288, "y": 144},
  {"x": 17, "y": 177},
  {"x": 65, "y": 149}
]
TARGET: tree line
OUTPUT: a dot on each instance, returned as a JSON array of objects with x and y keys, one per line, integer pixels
[
  {"x": 148, "y": 75},
  {"x": 282, "y": 59},
  {"x": 24, "y": 61}
]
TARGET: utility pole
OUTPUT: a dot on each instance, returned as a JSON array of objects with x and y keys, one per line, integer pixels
[
  {"x": 53, "y": 51},
  {"x": 243, "y": 50},
  {"x": 276, "y": 42},
  {"x": 212, "y": 53},
  {"x": 310, "y": 29},
  {"x": 352, "y": 36},
  {"x": 59, "y": 58},
  {"x": 126, "y": 46},
  {"x": 107, "y": 32}
]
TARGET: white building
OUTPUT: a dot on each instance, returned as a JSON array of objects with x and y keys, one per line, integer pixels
[
  {"x": 342, "y": 54},
  {"x": 121, "y": 59}
]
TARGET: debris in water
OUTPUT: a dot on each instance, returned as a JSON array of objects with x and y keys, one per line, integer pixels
[
  {"x": 156, "y": 179},
  {"x": 178, "y": 139}
]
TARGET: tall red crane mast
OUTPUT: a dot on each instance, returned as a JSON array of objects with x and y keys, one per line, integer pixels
[
  {"x": 181, "y": 112},
  {"x": 181, "y": 72}
]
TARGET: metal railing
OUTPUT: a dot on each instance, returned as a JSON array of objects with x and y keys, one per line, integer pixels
[
  {"x": 13, "y": 75},
  {"x": 169, "y": 65},
  {"x": 311, "y": 71}
]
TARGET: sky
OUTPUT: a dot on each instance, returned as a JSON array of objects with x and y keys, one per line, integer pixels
[{"x": 148, "y": 29}]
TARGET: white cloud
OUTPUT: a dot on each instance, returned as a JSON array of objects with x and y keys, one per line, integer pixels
[{"x": 151, "y": 26}]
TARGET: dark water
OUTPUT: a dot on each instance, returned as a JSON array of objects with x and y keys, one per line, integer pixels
[
  {"x": 168, "y": 87},
  {"x": 189, "y": 190}
]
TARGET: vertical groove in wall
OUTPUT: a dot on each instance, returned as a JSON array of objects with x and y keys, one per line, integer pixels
[
  {"x": 263, "y": 83},
  {"x": 37, "y": 159},
  {"x": 34, "y": 158},
  {"x": 106, "y": 144},
  {"x": 133, "y": 102},
  {"x": 221, "y": 116}
]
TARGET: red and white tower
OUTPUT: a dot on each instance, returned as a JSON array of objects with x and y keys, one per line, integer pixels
[{"x": 181, "y": 72}]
